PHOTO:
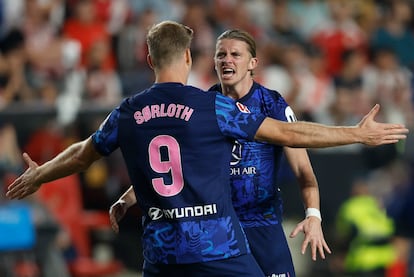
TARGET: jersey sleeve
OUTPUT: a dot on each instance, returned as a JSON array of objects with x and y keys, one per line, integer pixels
[
  {"x": 276, "y": 107},
  {"x": 285, "y": 112},
  {"x": 235, "y": 120},
  {"x": 105, "y": 139}
]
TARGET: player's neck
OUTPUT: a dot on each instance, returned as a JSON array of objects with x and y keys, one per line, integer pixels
[
  {"x": 171, "y": 75},
  {"x": 238, "y": 90},
  {"x": 177, "y": 71}
]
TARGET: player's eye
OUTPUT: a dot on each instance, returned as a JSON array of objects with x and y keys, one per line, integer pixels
[{"x": 220, "y": 55}]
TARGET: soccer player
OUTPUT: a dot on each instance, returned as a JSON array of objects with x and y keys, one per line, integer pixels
[
  {"x": 254, "y": 165},
  {"x": 176, "y": 143}
]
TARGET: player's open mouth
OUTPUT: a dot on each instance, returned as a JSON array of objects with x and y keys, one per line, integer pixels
[{"x": 228, "y": 72}]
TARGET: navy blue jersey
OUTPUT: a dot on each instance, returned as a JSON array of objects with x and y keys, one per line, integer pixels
[
  {"x": 176, "y": 141},
  {"x": 254, "y": 165}
]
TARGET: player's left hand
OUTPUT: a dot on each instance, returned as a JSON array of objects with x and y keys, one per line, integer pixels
[
  {"x": 312, "y": 229},
  {"x": 116, "y": 213}
]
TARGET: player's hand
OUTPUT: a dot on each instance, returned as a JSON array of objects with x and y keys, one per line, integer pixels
[
  {"x": 26, "y": 184},
  {"x": 116, "y": 213},
  {"x": 376, "y": 133},
  {"x": 312, "y": 229}
]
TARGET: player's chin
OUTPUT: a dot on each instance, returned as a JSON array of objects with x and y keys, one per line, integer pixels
[{"x": 227, "y": 80}]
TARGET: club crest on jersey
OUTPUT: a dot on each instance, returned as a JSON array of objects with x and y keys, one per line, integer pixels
[
  {"x": 242, "y": 108},
  {"x": 236, "y": 153}
]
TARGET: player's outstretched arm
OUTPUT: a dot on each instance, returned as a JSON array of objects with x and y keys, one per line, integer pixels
[
  {"x": 75, "y": 158},
  {"x": 314, "y": 135},
  {"x": 120, "y": 207}
]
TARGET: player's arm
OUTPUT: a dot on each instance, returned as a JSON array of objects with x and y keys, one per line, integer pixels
[
  {"x": 311, "y": 226},
  {"x": 314, "y": 135},
  {"x": 76, "y": 158},
  {"x": 120, "y": 207}
]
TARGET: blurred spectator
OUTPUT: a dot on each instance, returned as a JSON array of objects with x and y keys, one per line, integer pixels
[
  {"x": 219, "y": 13},
  {"x": 282, "y": 29},
  {"x": 294, "y": 60},
  {"x": 102, "y": 85},
  {"x": 396, "y": 33},
  {"x": 389, "y": 83},
  {"x": 114, "y": 13},
  {"x": 46, "y": 69},
  {"x": 260, "y": 12},
  {"x": 84, "y": 26},
  {"x": 315, "y": 92},
  {"x": 237, "y": 16},
  {"x": 272, "y": 73},
  {"x": 339, "y": 33},
  {"x": 132, "y": 53},
  {"x": 45, "y": 142},
  {"x": 367, "y": 15},
  {"x": 132, "y": 49},
  {"x": 195, "y": 17},
  {"x": 341, "y": 111},
  {"x": 354, "y": 63},
  {"x": 316, "y": 13},
  {"x": 164, "y": 10},
  {"x": 202, "y": 73},
  {"x": 364, "y": 234},
  {"x": 11, "y": 15},
  {"x": 13, "y": 81}
]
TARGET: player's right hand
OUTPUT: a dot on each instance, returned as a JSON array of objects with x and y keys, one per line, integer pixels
[
  {"x": 116, "y": 213},
  {"x": 25, "y": 184}
]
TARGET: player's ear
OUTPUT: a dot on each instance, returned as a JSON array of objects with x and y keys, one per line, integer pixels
[
  {"x": 149, "y": 61},
  {"x": 252, "y": 64},
  {"x": 188, "y": 59}
]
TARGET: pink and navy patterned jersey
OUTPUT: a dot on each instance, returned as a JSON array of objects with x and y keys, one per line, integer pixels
[
  {"x": 176, "y": 141},
  {"x": 254, "y": 165}
]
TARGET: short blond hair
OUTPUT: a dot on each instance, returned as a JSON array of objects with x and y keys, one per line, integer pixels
[{"x": 166, "y": 41}]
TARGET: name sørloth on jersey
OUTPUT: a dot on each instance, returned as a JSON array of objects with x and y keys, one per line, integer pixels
[{"x": 155, "y": 111}]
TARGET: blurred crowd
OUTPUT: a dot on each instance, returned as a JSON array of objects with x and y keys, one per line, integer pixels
[{"x": 332, "y": 60}]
